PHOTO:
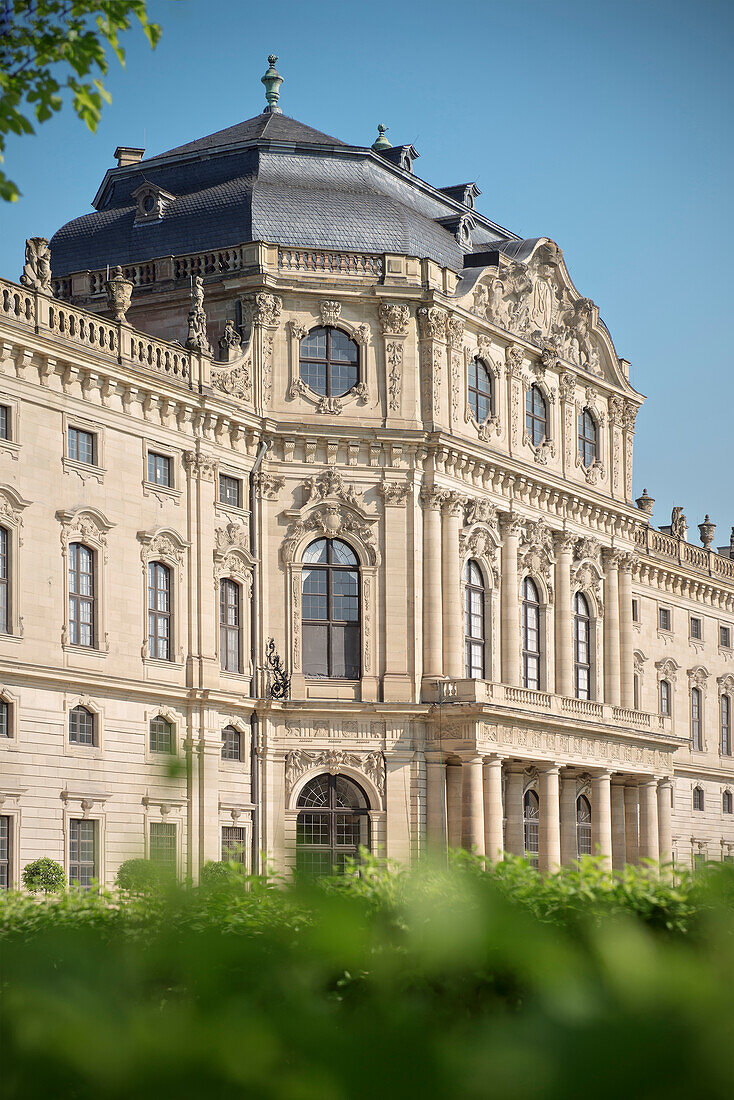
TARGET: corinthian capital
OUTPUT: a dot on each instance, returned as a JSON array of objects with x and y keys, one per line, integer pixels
[
  {"x": 432, "y": 498},
  {"x": 455, "y": 504}
]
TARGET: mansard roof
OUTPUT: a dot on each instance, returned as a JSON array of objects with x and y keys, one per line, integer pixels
[{"x": 274, "y": 179}]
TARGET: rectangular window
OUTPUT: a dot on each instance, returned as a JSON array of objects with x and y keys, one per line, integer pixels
[
  {"x": 233, "y": 844},
  {"x": 725, "y": 725},
  {"x": 230, "y": 644},
  {"x": 4, "y": 581},
  {"x": 230, "y": 491},
  {"x": 163, "y": 844},
  {"x": 231, "y": 742},
  {"x": 696, "y": 734},
  {"x": 82, "y": 446},
  {"x": 81, "y": 595},
  {"x": 725, "y": 637},
  {"x": 82, "y": 852},
  {"x": 4, "y": 852},
  {"x": 160, "y": 469},
  {"x": 4, "y": 718},
  {"x": 5, "y": 422},
  {"x": 664, "y": 618},
  {"x": 696, "y": 629},
  {"x": 635, "y": 610}
]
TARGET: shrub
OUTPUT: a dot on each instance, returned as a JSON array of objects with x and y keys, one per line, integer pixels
[
  {"x": 45, "y": 875},
  {"x": 225, "y": 871},
  {"x": 138, "y": 876}
]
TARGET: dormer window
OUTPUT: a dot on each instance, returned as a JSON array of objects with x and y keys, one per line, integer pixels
[
  {"x": 461, "y": 226},
  {"x": 465, "y": 193},
  {"x": 151, "y": 202}
]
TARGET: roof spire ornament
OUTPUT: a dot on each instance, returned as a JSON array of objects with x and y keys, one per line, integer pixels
[
  {"x": 272, "y": 81},
  {"x": 382, "y": 142}
]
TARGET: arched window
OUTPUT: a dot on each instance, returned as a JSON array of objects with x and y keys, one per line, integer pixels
[
  {"x": 330, "y": 611},
  {"x": 698, "y": 798},
  {"x": 333, "y": 821},
  {"x": 530, "y": 635},
  {"x": 531, "y": 821},
  {"x": 536, "y": 416},
  {"x": 582, "y": 647},
  {"x": 81, "y": 595},
  {"x": 230, "y": 626},
  {"x": 329, "y": 362},
  {"x": 727, "y": 803},
  {"x": 159, "y": 611},
  {"x": 4, "y": 581},
  {"x": 726, "y": 725},
  {"x": 161, "y": 735},
  {"x": 696, "y": 733},
  {"x": 480, "y": 391},
  {"x": 474, "y": 636},
  {"x": 231, "y": 744},
  {"x": 583, "y": 826},
  {"x": 665, "y": 697},
  {"x": 587, "y": 438},
  {"x": 81, "y": 726}
]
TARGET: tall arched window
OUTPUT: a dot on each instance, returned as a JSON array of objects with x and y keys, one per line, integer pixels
[
  {"x": 330, "y": 610},
  {"x": 696, "y": 732},
  {"x": 665, "y": 697},
  {"x": 727, "y": 803},
  {"x": 81, "y": 595},
  {"x": 531, "y": 822},
  {"x": 230, "y": 626},
  {"x": 587, "y": 438},
  {"x": 536, "y": 416},
  {"x": 726, "y": 725},
  {"x": 161, "y": 735},
  {"x": 474, "y": 635},
  {"x": 698, "y": 798},
  {"x": 333, "y": 822},
  {"x": 479, "y": 386},
  {"x": 81, "y": 726},
  {"x": 582, "y": 647},
  {"x": 530, "y": 635},
  {"x": 231, "y": 744},
  {"x": 583, "y": 826},
  {"x": 159, "y": 611},
  {"x": 329, "y": 362},
  {"x": 4, "y": 581}
]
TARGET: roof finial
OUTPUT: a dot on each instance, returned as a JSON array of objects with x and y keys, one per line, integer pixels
[
  {"x": 382, "y": 142},
  {"x": 272, "y": 81}
]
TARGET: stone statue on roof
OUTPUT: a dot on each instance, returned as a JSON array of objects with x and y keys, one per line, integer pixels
[{"x": 37, "y": 269}]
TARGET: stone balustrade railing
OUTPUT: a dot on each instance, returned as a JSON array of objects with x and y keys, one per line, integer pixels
[
  {"x": 657, "y": 544},
  {"x": 333, "y": 263},
  {"x": 543, "y": 702},
  {"x": 112, "y": 340}
]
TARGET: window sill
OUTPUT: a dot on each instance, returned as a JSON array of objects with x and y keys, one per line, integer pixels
[
  {"x": 10, "y": 637},
  {"x": 85, "y": 470},
  {"x": 156, "y": 662},
  {"x": 220, "y": 507},
  {"x": 10, "y": 447},
  {"x": 161, "y": 492},
  {"x": 84, "y": 650}
]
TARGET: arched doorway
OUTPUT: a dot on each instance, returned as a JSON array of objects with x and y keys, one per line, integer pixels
[{"x": 333, "y": 822}]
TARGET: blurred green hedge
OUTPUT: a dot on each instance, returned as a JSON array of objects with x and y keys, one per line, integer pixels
[{"x": 438, "y": 982}]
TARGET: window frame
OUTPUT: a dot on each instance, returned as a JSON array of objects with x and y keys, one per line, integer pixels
[
  {"x": 154, "y": 749},
  {"x": 95, "y": 469},
  {"x": 6, "y": 580},
  {"x": 328, "y": 362},
  {"x": 725, "y": 708},
  {"x": 331, "y": 623},
  {"x": 225, "y": 750},
  {"x": 10, "y": 443},
  {"x": 583, "y": 825},
  {"x": 474, "y": 394},
  {"x": 73, "y": 433},
  {"x": 6, "y": 859},
  {"x": 332, "y": 811},
  {"x": 533, "y": 418},
  {"x": 579, "y": 665},
  {"x": 698, "y": 619},
  {"x": 241, "y": 856},
  {"x": 474, "y": 643},
  {"x": 665, "y": 698},
  {"x": 665, "y": 610},
  {"x": 525, "y": 627},
  {"x": 584, "y": 441},
  {"x": 95, "y": 875},
  {"x": 78, "y": 709},
  {"x": 698, "y": 800},
  {"x": 78, "y": 600},
  {"x": 531, "y": 826},
  {"x": 727, "y": 802},
  {"x": 156, "y": 456},
  {"x": 171, "y": 830},
  {"x": 696, "y": 703},
  {"x": 160, "y": 616},
  {"x": 229, "y": 631},
  {"x": 224, "y": 476},
  {"x": 725, "y": 636}
]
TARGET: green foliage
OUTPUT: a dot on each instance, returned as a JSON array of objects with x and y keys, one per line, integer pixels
[
  {"x": 56, "y": 49},
  {"x": 436, "y": 982},
  {"x": 44, "y": 875},
  {"x": 138, "y": 876},
  {"x": 225, "y": 871}
]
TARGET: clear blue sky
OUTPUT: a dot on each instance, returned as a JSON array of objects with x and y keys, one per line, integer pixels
[{"x": 604, "y": 125}]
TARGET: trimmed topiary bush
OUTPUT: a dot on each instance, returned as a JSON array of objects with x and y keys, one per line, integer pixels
[
  {"x": 44, "y": 875},
  {"x": 138, "y": 876}
]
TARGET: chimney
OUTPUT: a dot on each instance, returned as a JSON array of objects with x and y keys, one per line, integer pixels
[{"x": 127, "y": 155}]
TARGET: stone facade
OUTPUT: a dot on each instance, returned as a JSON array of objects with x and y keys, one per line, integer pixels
[{"x": 403, "y": 470}]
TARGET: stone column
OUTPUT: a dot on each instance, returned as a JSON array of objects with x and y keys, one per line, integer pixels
[
  {"x": 472, "y": 808},
  {"x": 515, "y": 841},
  {"x": 631, "y": 814},
  {"x": 619, "y": 835},
  {"x": 564, "y": 635},
  {"x": 665, "y": 829},
  {"x": 611, "y": 628},
  {"x": 436, "y": 823},
  {"x": 649, "y": 844},
  {"x": 601, "y": 816},
  {"x": 397, "y": 683},
  {"x": 569, "y": 842},
  {"x": 454, "y": 803},
  {"x": 550, "y": 819},
  {"x": 626, "y": 632},
  {"x": 453, "y": 658},
  {"x": 510, "y": 603},
  {"x": 432, "y": 617},
  {"x": 494, "y": 841},
  {"x": 398, "y": 783}
]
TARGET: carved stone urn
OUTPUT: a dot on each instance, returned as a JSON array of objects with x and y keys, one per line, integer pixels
[
  {"x": 707, "y": 529},
  {"x": 119, "y": 293},
  {"x": 645, "y": 503}
]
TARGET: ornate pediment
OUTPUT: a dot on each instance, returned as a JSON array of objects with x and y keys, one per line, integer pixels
[
  {"x": 536, "y": 555},
  {"x": 300, "y": 761},
  {"x": 333, "y": 509}
]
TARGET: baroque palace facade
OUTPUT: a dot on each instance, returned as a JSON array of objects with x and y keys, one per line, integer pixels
[{"x": 408, "y": 461}]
